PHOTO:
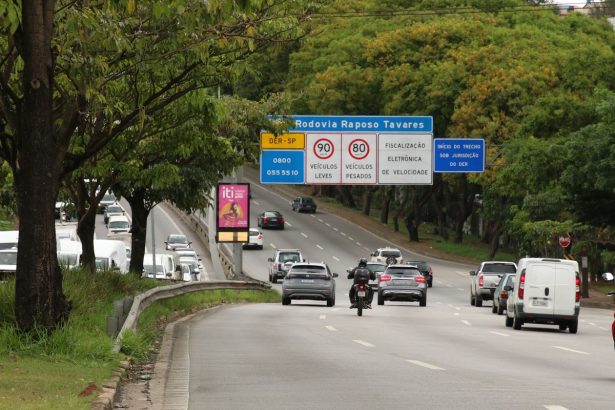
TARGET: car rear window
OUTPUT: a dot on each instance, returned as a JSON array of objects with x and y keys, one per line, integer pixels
[
  {"x": 289, "y": 257},
  {"x": 308, "y": 272},
  {"x": 254, "y": 232},
  {"x": 112, "y": 209},
  {"x": 395, "y": 254},
  {"x": 177, "y": 239},
  {"x": 308, "y": 200},
  {"x": 499, "y": 268},
  {"x": 376, "y": 267},
  {"x": 403, "y": 272},
  {"x": 420, "y": 265},
  {"x": 272, "y": 214}
]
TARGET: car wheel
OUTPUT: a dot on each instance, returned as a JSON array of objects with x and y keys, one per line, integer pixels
[
  {"x": 274, "y": 279},
  {"x": 479, "y": 301},
  {"x": 285, "y": 301},
  {"x": 500, "y": 310},
  {"x": 380, "y": 299},
  {"x": 423, "y": 301},
  {"x": 509, "y": 321},
  {"x": 517, "y": 323},
  {"x": 573, "y": 326},
  {"x": 270, "y": 280},
  {"x": 331, "y": 302},
  {"x": 494, "y": 309},
  {"x": 472, "y": 300},
  {"x": 563, "y": 326}
]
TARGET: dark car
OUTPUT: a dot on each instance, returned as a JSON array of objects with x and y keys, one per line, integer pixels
[
  {"x": 378, "y": 268},
  {"x": 404, "y": 283},
  {"x": 176, "y": 241},
  {"x": 270, "y": 219},
  {"x": 500, "y": 296},
  {"x": 311, "y": 281},
  {"x": 425, "y": 270},
  {"x": 304, "y": 204}
]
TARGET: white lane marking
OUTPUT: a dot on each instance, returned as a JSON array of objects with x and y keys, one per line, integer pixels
[
  {"x": 319, "y": 247},
  {"x": 328, "y": 224},
  {"x": 423, "y": 364},
  {"x": 362, "y": 343},
  {"x": 335, "y": 229},
  {"x": 331, "y": 328},
  {"x": 438, "y": 282},
  {"x": 304, "y": 235},
  {"x": 350, "y": 237},
  {"x": 499, "y": 334},
  {"x": 554, "y": 407},
  {"x": 593, "y": 324},
  {"x": 335, "y": 309},
  {"x": 460, "y": 289},
  {"x": 439, "y": 303},
  {"x": 448, "y": 285},
  {"x": 343, "y": 234},
  {"x": 288, "y": 223},
  {"x": 273, "y": 246},
  {"x": 450, "y": 305},
  {"x": 465, "y": 322},
  {"x": 569, "y": 350},
  {"x": 335, "y": 258},
  {"x": 462, "y": 273},
  {"x": 358, "y": 243},
  {"x": 583, "y": 321},
  {"x": 346, "y": 294},
  {"x": 456, "y": 314},
  {"x": 313, "y": 216},
  {"x": 256, "y": 203},
  {"x": 367, "y": 249},
  {"x": 602, "y": 328},
  {"x": 457, "y": 307},
  {"x": 323, "y": 317},
  {"x": 320, "y": 220}
]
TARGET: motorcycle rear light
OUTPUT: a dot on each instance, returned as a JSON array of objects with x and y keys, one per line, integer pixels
[
  {"x": 419, "y": 279},
  {"x": 480, "y": 281},
  {"x": 361, "y": 287},
  {"x": 577, "y": 295},
  {"x": 521, "y": 291},
  {"x": 384, "y": 278}
]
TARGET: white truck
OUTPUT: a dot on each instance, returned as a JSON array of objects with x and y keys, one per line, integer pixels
[{"x": 486, "y": 278}]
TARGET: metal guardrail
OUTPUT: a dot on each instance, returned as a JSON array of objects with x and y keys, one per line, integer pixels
[{"x": 142, "y": 301}]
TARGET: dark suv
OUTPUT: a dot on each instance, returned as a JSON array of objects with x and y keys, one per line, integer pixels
[{"x": 304, "y": 204}]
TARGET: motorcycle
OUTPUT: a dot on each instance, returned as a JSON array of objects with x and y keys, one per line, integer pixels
[{"x": 361, "y": 295}]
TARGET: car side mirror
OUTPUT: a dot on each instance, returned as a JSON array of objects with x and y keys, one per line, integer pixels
[
  {"x": 335, "y": 275},
  {"x": 472, "y": 273},
  {"x": 508, "y": 288},
  {"x": 166, "y": 242},
  {"x": 269, "y": 259},
  {"x": 189, "y": 243}
]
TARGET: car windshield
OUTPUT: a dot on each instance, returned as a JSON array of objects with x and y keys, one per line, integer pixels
[
  {"x": 289, "y": 257},
  {"x": 114, "y": 209},
  {"x": 67, "y": 260},
  {"x": 395, "y": 254},
  {"x": 177, "y": 239},
  {"x": 402, "y": 272},
  {"x": 376, "y": 267},
  {"x": 8, "y": 258},
  {"x": 419, "y": 264},
  {"x": 499, "y": 268},
  {"x": 254, "y": 232},
  {"x": 108, "y": 198},
  {"x": 119, "y": 225}
]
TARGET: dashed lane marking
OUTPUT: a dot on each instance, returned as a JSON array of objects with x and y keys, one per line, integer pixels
[
  {"x": 499, "y": 334},
  {"x": 319, "y": 247},
  {"x": 335, "y": 229},
  {"x": 591, "y": 323},
  {"x": 304, "y": 235},
  {"x": 331, "y": 328},
  {"x": 602, "y": 328},
  {"x": 465, "y": 322},
  {"x": 343, "y": 234},
  {"x": 256, "y": 203},
  {"x": 554, "y": 407},
  {"x": 425, "y": 365},
  {"x": 273, "y": 246},
  {"x": 350, "y": 238},
  {"x": 358, "y": 243},
  {"x": 335, "y": 258},
  {"x": 328, "y": 224},
  {"x": 460, "y": 289},
  {"x": 457, "y": 307},
  {"x": 313, "y": 216},
  {"x": 288, "y": 223},
  {"x": 323, "y": 317},
  {"x": 320, "y": 220},
  {"x": 363, "y": 343},
  {"x": 456, "y": 314},
  {"x": 570, "y": 350}
]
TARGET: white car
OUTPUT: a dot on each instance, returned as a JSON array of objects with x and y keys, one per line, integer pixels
[
  {"x": 118, "y": 224},
  {"x": 255, "y": 239},
  {"x": 389, "y": 256}
]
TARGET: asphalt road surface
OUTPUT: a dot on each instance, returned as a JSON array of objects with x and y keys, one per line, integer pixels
[{"x": 448, "y": 355}]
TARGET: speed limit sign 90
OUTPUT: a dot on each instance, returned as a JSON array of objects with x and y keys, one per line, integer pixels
[{"x": 324, "y": 148}]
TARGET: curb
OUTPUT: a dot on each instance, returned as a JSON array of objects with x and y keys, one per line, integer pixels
[
  {"x": 597, "y": 305},
  {"x": 106, "y": 399}
]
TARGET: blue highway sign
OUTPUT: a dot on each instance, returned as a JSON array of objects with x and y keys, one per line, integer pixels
[
  {"x": 459, "y": 155},
  {"x": 282, "y": 167}
]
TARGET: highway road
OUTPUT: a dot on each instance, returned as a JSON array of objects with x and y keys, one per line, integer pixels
[{"x": 443, "y": 356}]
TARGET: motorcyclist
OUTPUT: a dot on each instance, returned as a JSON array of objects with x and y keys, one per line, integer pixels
[{"x": 361, "y": 275}]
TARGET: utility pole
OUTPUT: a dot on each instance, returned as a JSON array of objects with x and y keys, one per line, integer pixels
[{"x": 238, "y": 247}]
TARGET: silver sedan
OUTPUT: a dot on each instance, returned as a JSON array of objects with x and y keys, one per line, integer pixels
[{"x": 311, "y": 281}]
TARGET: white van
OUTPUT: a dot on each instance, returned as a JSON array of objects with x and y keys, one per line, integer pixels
[
  {"x": 110, "y": 255},
  {"x": 69, "y": 253},
  {"x": 8, "y": 263},
  {"x": 9, "y": 239},
  {"x": 547, "y": 291},
  {"x": 165, "y": 266},
  {"x": 67, "y": 232}
]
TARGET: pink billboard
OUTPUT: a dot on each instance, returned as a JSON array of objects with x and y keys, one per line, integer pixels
[{"x": 233, "y": 207}]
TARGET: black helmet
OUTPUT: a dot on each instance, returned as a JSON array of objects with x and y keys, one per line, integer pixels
[{"x": 363, "y": 262}]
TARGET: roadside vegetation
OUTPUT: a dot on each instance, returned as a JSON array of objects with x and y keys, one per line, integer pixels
[{"x": 43, "y": 370}]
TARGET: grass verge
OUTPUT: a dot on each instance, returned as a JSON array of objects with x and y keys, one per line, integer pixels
[{"x": 49, "y": 371}]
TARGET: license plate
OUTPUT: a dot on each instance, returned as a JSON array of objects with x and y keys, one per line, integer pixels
[
  {"x": 361, "y": 293},
  {"x": 274, "y": 219},
  {"x": 307, "y": 281},
  {"x": 537, "y": 302}
]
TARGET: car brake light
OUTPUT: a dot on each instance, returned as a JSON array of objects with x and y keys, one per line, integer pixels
[
  {"x": 281, "y": 220},
  {"x": 419, "y": 279},
  {"x": 260, "y": 236},
  {"x": 503, "y": 294},
  {"x": 265, "y": 220},
  {"x": 521, "y": 286},
  {"x": 577, "y": 296},
  {"x": 384, "y": 278},
  {"x": 480, "y": 281}
]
